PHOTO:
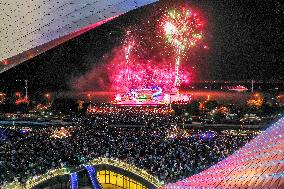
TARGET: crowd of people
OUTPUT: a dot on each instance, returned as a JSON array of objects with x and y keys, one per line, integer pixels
[
  {"x": 140, "y": 115},
  {"x": 23, "y": 155}
]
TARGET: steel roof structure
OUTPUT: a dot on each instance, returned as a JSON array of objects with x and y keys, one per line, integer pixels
[
  {"x": 30, "y": 27},
  {"x": 259, "y": 164}
]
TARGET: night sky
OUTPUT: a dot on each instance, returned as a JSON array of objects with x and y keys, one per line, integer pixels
[{"x": 245, "y": 42}]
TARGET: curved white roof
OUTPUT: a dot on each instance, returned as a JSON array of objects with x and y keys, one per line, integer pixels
[
  {"x": 30, "y": 27},
  {"x": 259, "y": 164}
]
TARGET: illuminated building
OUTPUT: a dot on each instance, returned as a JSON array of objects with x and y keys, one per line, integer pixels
[
  {"x": 280, "y": 99},
  {"x": 2, "y": 97},
  {"x": 238, "y": 88},
  {"x": 102, "y": 172},
  {"x": 255, "y": 100}
]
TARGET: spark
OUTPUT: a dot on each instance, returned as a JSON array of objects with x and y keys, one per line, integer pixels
[{"x": 182, "y": 30}]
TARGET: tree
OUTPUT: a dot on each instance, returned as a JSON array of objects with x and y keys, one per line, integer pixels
[
  {"x": 210, "y": 105},
  {"x": 64, "y": 105},
  {"x": 255, "y": 101},
  {"x": 178, "y": 109},
  {"x": 193, "y": 108}
]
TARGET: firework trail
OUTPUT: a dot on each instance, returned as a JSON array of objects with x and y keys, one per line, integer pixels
[{"x": 181, "y": 29}]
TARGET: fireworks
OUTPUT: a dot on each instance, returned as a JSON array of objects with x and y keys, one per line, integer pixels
[
  {"x": 128, "y": 49},
  {"x": 142, "y": 61},
  {"x": 144, "y": 73},
  {"x": 182, "y": 30},
  {"x": 130, "y": 68}
]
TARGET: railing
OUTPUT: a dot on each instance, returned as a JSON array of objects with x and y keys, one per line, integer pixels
[
  {"x": 74, "y": 180},
  {"x": 130, "y": 168},
  {"x": 93, "y": 176},
  {"x": 33, "y": 181}
]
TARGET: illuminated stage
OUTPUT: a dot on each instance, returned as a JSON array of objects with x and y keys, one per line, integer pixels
[{"x": 150, "y": 97}]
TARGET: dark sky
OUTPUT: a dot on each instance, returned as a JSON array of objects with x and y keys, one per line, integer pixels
[{"x": 245, "y": 41}]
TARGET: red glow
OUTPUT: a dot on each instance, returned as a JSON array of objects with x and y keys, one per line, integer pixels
[
  {"x": 164, "y": 110},
  {"x": 135, "y": 72},
  {"x": 18, "y": 95},
  {"x": 21, "y": 101},
  {"x": 5, "y": 62},
  {"x": 92, "y": 26},
  {"x": 142, "y": 60},
  {"x": 205, "y": 47}
]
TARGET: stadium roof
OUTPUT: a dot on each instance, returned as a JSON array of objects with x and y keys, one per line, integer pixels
[
  {"x": 259, "y": 164},
  {"x": 30, "y": 27}
]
